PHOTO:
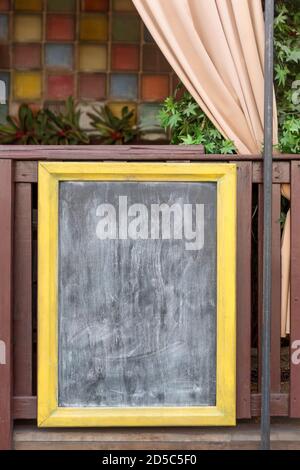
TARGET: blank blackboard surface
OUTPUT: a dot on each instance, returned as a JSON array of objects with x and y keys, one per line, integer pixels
[{"x": 137, "y": 318}]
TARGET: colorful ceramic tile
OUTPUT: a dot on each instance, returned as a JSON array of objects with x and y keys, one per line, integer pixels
[
  {"x": 92, "y": 86},
  {"x": 5, "y": 78},
  {"x": 86, "y": 108},
  {"x": 93, "y": 27},
  {"x": 15, "y": 106},
  {"x": 95, "y": 5},
  {"x": 116, "y": 108},
  {"x": 4, "y": 28},
  {"x": 27, "y": 85},
  {"x": 29, "y": 5},
  {"x": 148, "y": 117},
  {"x": 155, "y": 87},
  {"x": 154, "y": 60},
  {"x": 4, "y": 5},
  {"x": 60, "y": 87},
  {"x": 26, "y": 56},
  {"x": 60, "y": 27},
  {"x": 125, "y": 57},
  {"x": 61, "y": 5},
  {"x": 124, "y": 86},
  {"x": 123, "y": 5},
  {"x": 3, "y": 113},
  {"x": 125, "y": 28},
  {"x": 92, "y": 58},
  {"x": 59, "y": 55},
  {"x": 35, "y": 107},
  {"x": 27, "y": 28},
  {"x": 91, "y": 82},
  {"x": 4, "y": 56},
  {"x": 56, "y": 106}
]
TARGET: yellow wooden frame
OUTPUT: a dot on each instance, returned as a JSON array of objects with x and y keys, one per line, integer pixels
[{"x": 49, "y": 413}]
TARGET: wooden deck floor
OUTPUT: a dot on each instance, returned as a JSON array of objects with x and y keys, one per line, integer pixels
[{"x": 285, "y": 435}]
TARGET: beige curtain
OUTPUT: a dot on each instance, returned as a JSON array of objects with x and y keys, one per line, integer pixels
[
  {"x": 216, "y": 47},
  {"x": 286, "y": 268}
]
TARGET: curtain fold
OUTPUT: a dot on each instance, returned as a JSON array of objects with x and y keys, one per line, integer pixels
[
  {"x": 286, "y": 268},
  {"x": 216, "y": 48}
]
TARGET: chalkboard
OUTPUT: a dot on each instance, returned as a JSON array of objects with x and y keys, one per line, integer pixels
[{"x": 136, "y": 296}]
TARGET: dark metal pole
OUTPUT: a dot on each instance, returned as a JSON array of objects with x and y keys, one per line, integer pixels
[{"x": 267, "y": 258}]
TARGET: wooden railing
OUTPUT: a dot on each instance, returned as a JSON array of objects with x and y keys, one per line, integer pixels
[{"x": 18, "y": 278}]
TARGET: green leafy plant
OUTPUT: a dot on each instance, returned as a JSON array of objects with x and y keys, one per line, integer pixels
[
  {"x": 112, "y": 129},
  {"x": 64, "y": 128},
  {"x": 188, "y": 124},
  {"x": 287, "y": 73},
  {"x": 289, "y": 137},
  {"x": 26, "y": 129},
  {"x": 44, "y": 127}
]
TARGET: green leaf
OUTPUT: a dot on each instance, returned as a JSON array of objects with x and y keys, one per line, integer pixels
[
  {"x": 227, "y": 147},
  {"x": 294, "y": 56},
  {"x": 174, "y": 120},
  {"x": 190, "y": 110},
  {"x": 112, "y": 129},
  {"x": 281, "y": 74},
  {"x": 188, "y": 140}
]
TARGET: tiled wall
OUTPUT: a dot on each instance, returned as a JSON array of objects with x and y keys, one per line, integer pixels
[{"x": 94, "y": 50}]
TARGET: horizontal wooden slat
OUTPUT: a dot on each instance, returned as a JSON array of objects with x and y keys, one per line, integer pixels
[
  {"x": 26, "y": 171},
  {"x": 25, "y": 407},
  {"x": 279, "y": 404},
  {"x": 281, "y": 172},
  {"x": 103, "y": 152},
  {"x": 285, "y": 435},
  {"x": 122, "y": 152},
  {"x": 135, "y": 446}
]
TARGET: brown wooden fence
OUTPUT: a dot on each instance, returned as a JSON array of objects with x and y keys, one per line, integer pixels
[{"x": 18, "y": 279}]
